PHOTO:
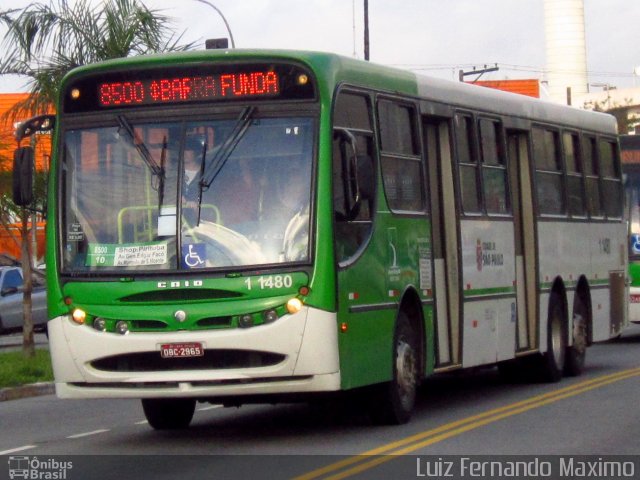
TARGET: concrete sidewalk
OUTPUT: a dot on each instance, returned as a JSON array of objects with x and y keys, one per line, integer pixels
[{"x": 13, "y": 341}]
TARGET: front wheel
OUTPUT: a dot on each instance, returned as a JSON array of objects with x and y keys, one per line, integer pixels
[
  {"x": 395, "y": 400},
  {"x": 169, "y": 413}
]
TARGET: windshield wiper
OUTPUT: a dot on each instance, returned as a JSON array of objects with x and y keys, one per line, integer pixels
[
  {"x": 140, "y": 146},
  {"x": 221, "y": 156},
  {"x": 163, "y": 161}
]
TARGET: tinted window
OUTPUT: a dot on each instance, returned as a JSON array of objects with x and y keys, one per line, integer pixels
[
  {"x": 573, "y": 161},
  {"x": 591, "y": 170},
  {"x": 611, "y": 184},
  {"x": 402, "y": 170},
  {"x": 468, "y": 168},
  {"x": 549, "y": 176},
  {"x": 353, "y": 200},
  {"x": 494, "y": 171}
]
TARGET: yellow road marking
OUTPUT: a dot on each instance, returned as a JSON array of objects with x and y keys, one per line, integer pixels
[{"x": 420, "y": 440}]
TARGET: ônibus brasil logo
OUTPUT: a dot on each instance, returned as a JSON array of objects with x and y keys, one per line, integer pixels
[{"x": 36, "y": 469}]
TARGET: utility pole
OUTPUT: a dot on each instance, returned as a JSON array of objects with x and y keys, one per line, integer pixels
[
  {"x": 479, "y": 72},
  {"x": 366, "y": 30}
]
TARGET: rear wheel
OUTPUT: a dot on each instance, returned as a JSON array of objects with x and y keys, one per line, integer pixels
[
  {"x": 553, "y": 360},
  {"x": 577, "y": 352},
  {"x": 168, "y": 413},
  {"x": 394, "y": 401}
]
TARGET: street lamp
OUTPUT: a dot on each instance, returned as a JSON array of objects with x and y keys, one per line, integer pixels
[{"x": 233, "y": 44}]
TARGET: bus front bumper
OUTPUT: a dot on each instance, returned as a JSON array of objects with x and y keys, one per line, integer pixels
[{"x": 303, "y": 349}]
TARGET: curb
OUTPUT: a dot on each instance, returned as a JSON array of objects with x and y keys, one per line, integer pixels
[{"x": 26, "y": 391}]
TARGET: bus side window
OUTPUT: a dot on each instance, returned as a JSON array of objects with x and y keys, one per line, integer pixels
[
  {"x": 549, "y": 176},
  {"x": 573, "y": 161},
  {"x": 591, "y": 170},
  {"x": 402, "y": 172},
  {"x": 494, "y": 168},
  {"x": 468, "y": 164},
  {"x": 610, "y": 174},
  {"x": 353, "y": 173}
]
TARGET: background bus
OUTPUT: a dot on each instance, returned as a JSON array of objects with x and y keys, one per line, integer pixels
[
  {"x": 630, "y": 156},
  {"x": 263, "y": 226}
]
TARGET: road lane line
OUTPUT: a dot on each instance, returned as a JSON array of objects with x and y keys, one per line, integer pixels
[
  {"x": 142, "y": 422},
  {"x": 429, "y": 437},
  {"x": 88, "y": 434},
  {"x": 15, "y": 450}
]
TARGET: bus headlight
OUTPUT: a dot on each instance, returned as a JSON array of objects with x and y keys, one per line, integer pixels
[
  {"x": 79, "y": 316},
  {"x": 294, "y": 305}
]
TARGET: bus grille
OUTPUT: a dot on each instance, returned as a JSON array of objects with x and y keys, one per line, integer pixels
[{"x": 211, "y": 360}]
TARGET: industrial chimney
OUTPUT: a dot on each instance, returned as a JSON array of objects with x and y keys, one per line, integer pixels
[{"x": 566, "y": 49}]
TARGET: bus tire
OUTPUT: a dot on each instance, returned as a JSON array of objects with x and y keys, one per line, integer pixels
[
  {"x": 553, "y": 360},
  {"x": 169, "y": 413},
  {"x": 394, "y": 402},
  {"x": 576, "y": 353}
]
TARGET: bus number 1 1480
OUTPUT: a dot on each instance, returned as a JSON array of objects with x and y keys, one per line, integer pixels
[{"x": 270, "y": 282}]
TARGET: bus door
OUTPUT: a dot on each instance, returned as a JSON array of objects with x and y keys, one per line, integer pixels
[
  {"x": 525, "y": 238},
  {"x": 446, "y": 242}
]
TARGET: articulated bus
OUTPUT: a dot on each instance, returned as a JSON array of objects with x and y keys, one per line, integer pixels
[
  {"x": 630, "y": 156},
  {"x": 269, "y": 226}
]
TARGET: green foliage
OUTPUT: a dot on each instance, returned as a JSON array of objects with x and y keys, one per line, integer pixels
[
  {"x": 44, "y": 41},
  {"x": 16, "y": 369}
]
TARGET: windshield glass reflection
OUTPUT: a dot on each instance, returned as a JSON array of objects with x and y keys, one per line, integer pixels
[{"x": 162, "y": 196}]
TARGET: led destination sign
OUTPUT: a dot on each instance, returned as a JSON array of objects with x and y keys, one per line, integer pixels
[
  {"x": 188, "y": 84},
  {"x": 189, "y": 89}
]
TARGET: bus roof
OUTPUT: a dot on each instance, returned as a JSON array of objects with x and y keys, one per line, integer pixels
[{"x": 332, "y": 69}]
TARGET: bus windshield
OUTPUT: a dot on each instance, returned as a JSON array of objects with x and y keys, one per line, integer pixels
[{"x": 187, "y": 194}]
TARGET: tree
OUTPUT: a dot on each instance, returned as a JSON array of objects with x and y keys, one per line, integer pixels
[{"x": 43, "y": 42}]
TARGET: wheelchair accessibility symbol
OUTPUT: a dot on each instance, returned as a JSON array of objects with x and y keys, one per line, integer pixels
[
  {"x": 635, "y": 243},
  {"x": 193, "y": 255}
]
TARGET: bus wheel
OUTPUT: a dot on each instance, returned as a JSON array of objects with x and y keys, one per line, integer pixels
[
  {"x": 553, "y": 360},
  {"x": 577, "y": 352},
  {"x": 168, "y": 413},
  {"x": 394, "y": 402}
]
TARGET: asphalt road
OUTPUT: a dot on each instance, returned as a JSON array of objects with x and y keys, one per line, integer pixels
[{"x": 473, "y": 413}]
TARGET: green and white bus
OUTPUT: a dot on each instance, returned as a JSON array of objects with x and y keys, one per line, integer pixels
[
  {"x": 630, "y": 157},
  {"x": 261, "y": 226}
]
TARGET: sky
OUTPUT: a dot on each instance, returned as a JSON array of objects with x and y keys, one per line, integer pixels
[{"x": 434, "y": 37}]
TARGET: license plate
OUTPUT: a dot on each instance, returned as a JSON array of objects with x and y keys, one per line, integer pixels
[{"x": 181, "y": 350}]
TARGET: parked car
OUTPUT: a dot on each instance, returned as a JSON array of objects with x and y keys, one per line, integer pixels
[{"x": 11, "y": 313}]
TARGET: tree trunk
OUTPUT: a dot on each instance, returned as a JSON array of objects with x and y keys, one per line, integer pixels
[{"x": 28, "y": 344}]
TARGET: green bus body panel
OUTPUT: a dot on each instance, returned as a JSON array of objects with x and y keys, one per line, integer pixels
[
  {"x": 370, "y": 294},
  {"x": 634, "y": 272}
]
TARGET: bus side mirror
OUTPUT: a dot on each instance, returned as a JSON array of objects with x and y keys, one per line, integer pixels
[{"x": 23, "y": 176}]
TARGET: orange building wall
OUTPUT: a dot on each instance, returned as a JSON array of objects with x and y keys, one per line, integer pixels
[
  {"x": 42, "y": 147},
  {"x": 8, "y": 142},
  {"x": 529, "y": 87}
]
